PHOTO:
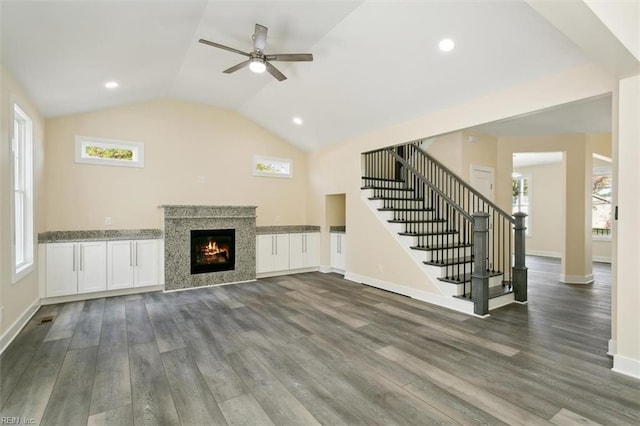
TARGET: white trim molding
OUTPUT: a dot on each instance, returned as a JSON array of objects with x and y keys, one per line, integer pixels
[
  {"x": 541, "y": 253},
  {"x": 576, "y": 279},
  {"x": 459, "y": 305},
  {"x": 602, "y": 259},
  {"x": 17, "y": 326},
  {"x": 627, "y": 366},
  {"x": 613, "y": 347}
]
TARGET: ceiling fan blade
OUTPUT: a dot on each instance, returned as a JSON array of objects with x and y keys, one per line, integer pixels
[
  {"x": 222, "y": 46},
  {"x": 274, "y": 71},
  {"x": 291, "y": 57},
  {"x": 237, "y": 67},
  {"x": 260, "y": 38}
]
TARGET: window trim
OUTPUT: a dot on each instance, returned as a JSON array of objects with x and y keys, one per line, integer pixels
[
  {"x": 529, "y": 199},
  {"x": 259, "y": 158},
  {"x": 601, "y": 171},
  {"x": 18, "y": 272},
  {"x": 82, "y": 141}
]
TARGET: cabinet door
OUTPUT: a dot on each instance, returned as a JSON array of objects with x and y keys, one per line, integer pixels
[
  {"x": 265, "y": 252},
  {"x": 337, "y": 251},
  {"x": 92, "y": 266},
  {"x": 62, "y": 275},
  {"x": 296, "y": 251},
  {"x": 120, "y": 264},
  {"x": 145, "y": 263},
  {"x": 343, "y": 251},
  {"x": 281, "y": 254},
  {"x": 311, "y": 250}
]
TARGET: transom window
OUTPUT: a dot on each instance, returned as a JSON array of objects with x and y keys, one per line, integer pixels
[
  {"x": 601, "y": 190},
  {"x": 109, "y": 152},
  {"x": 274, "y": 167}
]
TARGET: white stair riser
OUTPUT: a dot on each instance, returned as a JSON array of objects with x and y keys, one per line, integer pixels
[
  {"x": 393, "y": 193},
  {"x": 430, "y": 240},
  {"x": 407, "y": 215},
  {"x": 446, "y": 253},
  {"x": 382, "y": 183},
  {"x": 424, "y": 227}
]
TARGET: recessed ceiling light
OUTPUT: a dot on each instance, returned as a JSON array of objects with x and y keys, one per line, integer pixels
[
  {"x": 297, "y": 121},
  {"x": 446, "y": 45},
  {"x": 111, "y": 84}
]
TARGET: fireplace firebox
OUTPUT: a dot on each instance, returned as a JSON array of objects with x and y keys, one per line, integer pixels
[{"x": 213, "y": 250}]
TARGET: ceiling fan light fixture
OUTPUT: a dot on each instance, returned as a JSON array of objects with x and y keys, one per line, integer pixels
[{"x": 257, "y": 65}]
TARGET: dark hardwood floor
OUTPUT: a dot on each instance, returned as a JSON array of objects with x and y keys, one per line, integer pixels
[{"x": 316, "y": 349}]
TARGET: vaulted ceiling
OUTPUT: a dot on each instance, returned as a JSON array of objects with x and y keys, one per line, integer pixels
[{"x": 376, "y": 62}]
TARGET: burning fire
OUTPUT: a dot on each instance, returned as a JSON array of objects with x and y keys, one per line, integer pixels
[{"x": 213, "y": 250}]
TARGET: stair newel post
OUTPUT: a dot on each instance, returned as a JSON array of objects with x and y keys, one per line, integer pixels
[
  {"x": 480, "y": 275},
  {"x": 519, "y": 267}
]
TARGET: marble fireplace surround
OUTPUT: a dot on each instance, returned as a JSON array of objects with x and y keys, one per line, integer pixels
[{"x": 179, "y": 220}]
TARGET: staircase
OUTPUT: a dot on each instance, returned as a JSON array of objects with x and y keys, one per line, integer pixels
[{"x": 461, "y": 240}]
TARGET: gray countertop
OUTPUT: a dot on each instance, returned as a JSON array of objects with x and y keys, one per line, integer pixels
[
  {"x": 99, "y": 235},
  {"x": 338, "y": 229},
  {"x": 286, "y": 229}
]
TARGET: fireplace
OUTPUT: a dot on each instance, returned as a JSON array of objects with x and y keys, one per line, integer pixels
[{"x": 213, "y": 250}]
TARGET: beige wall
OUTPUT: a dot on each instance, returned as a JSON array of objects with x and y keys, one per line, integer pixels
[
  {"x": 183, "y": 142},
  {"x": 16, "y": 298},
  {"x": 578, "y": 158},
  {"x": 547, "y": 209},
  {"x": 478, "y": 150}
]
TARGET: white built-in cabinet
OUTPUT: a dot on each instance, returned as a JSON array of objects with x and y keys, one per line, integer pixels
[
  {"x": 74, "y": 268},
  {"x": 272, "y": 253},
  {"x": 303, "y": 250},
  {"x": 282, "y": 253},
  {"x": 338, "y": 250},
  {"x": 132, "y": 263}
]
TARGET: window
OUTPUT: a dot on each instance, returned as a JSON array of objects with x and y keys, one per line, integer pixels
[
  {"x": 521, "y": 189},
  {"x": 601, "y": 203},
  {"x": 274, "y": 167},
  {"x": 109, "y": 152},
  {"x": 22, "y": 164}
]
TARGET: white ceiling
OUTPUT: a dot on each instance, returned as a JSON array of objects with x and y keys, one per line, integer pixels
[{"x": 376, "y": 62}]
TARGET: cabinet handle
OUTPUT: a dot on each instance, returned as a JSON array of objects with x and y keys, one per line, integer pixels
[
  {"x": 276, "y": 238},
  {"x": 74, "y": 258},
  {"x": 272, "y": 246}
]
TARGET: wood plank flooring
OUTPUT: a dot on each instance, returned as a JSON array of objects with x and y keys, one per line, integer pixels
[{"x": 315, "y": 349}]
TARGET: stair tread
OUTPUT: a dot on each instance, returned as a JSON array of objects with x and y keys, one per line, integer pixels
[
  {"x": 416, "y": 220},
  {"x": 386, "y": 188},
  {"x": 396, "y": 198},
  {"x": 426, "y": 234},
  {"x": 442, "y": 246},
  {"x": 450, "y": 261},
  {"x": 466, "y": 278},
  {"x": 383, "y": 179},
  {"x": 494, "y": 292},
  {"x": 397, "y": 209}
]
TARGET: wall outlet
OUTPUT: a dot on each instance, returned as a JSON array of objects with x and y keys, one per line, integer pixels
[
  {"x": 107, "y": 220},
  {"x": 201, "y": 179},
  {"x": 278, "y": 219}
]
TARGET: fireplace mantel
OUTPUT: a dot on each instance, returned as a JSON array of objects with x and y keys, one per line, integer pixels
[{"x": 180, "y": 220}]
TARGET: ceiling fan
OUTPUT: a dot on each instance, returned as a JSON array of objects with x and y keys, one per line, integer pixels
[{"x": 258, "y": 61}]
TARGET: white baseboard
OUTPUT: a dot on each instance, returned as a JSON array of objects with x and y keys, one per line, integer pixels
[
  {"x": 287, "y": 272},
  {"x": 453, "y": 303},
  {"x": 11, "y": 333},
  {"x": 542, "y": 253},
  {"x": 613, "y": 347},
  {"x": 576, "y": 279},
  {"x": 100, "y": 294},
  {"x": 325, "y": 269},
  {"x": 206, "y": 286},
  {"x": 603, "y": 259},
  {"x": 627, "y": 366}
]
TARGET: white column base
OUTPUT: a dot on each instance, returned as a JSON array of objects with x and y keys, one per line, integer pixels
[{"x": 576, "y": 279}]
